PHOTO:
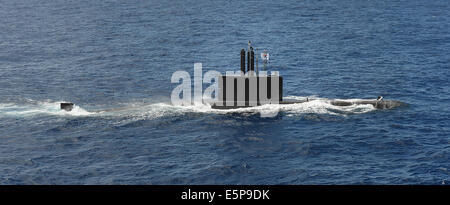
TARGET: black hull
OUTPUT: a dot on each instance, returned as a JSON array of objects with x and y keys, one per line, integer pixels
[{"x": 384, "y": 104}]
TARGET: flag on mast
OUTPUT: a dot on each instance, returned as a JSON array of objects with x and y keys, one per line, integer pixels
[{"x": 265, "y": 55}]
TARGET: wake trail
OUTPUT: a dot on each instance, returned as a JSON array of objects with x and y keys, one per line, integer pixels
[{"x": 156, "y": 110}]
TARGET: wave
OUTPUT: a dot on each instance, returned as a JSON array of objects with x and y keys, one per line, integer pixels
[
  {"x": 142, "y": 111},
  {"x": 156, "y": 110},
  {"x": 33, "y": 108}
]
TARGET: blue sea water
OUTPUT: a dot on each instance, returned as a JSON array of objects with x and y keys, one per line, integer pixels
[{"x": 120, "y": 55}]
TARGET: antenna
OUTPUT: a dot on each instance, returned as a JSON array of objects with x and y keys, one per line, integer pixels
[
  {"x": 256, "y": 51},
  {"x": 243, "y": 61},
  {"x": 248, "y": 58}
]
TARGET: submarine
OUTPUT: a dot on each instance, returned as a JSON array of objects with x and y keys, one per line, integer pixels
[{"x": 250, "y": 89}]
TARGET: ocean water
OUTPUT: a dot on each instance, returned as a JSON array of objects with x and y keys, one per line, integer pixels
[{"x": 114, "y": 59}]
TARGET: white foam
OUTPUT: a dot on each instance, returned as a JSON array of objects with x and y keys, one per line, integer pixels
[
  {"x": 138, "y": 111},
  {"x": 36, "y": 108},
  {"x": 315, "y": 105}
]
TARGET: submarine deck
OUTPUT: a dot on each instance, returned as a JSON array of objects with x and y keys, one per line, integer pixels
[{"x": 384, "y": 104}]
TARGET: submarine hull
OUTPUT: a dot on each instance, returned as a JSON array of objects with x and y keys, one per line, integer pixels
[
  {"x": 385, "y": 104},
  {"x": 225, "y": 107}
]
